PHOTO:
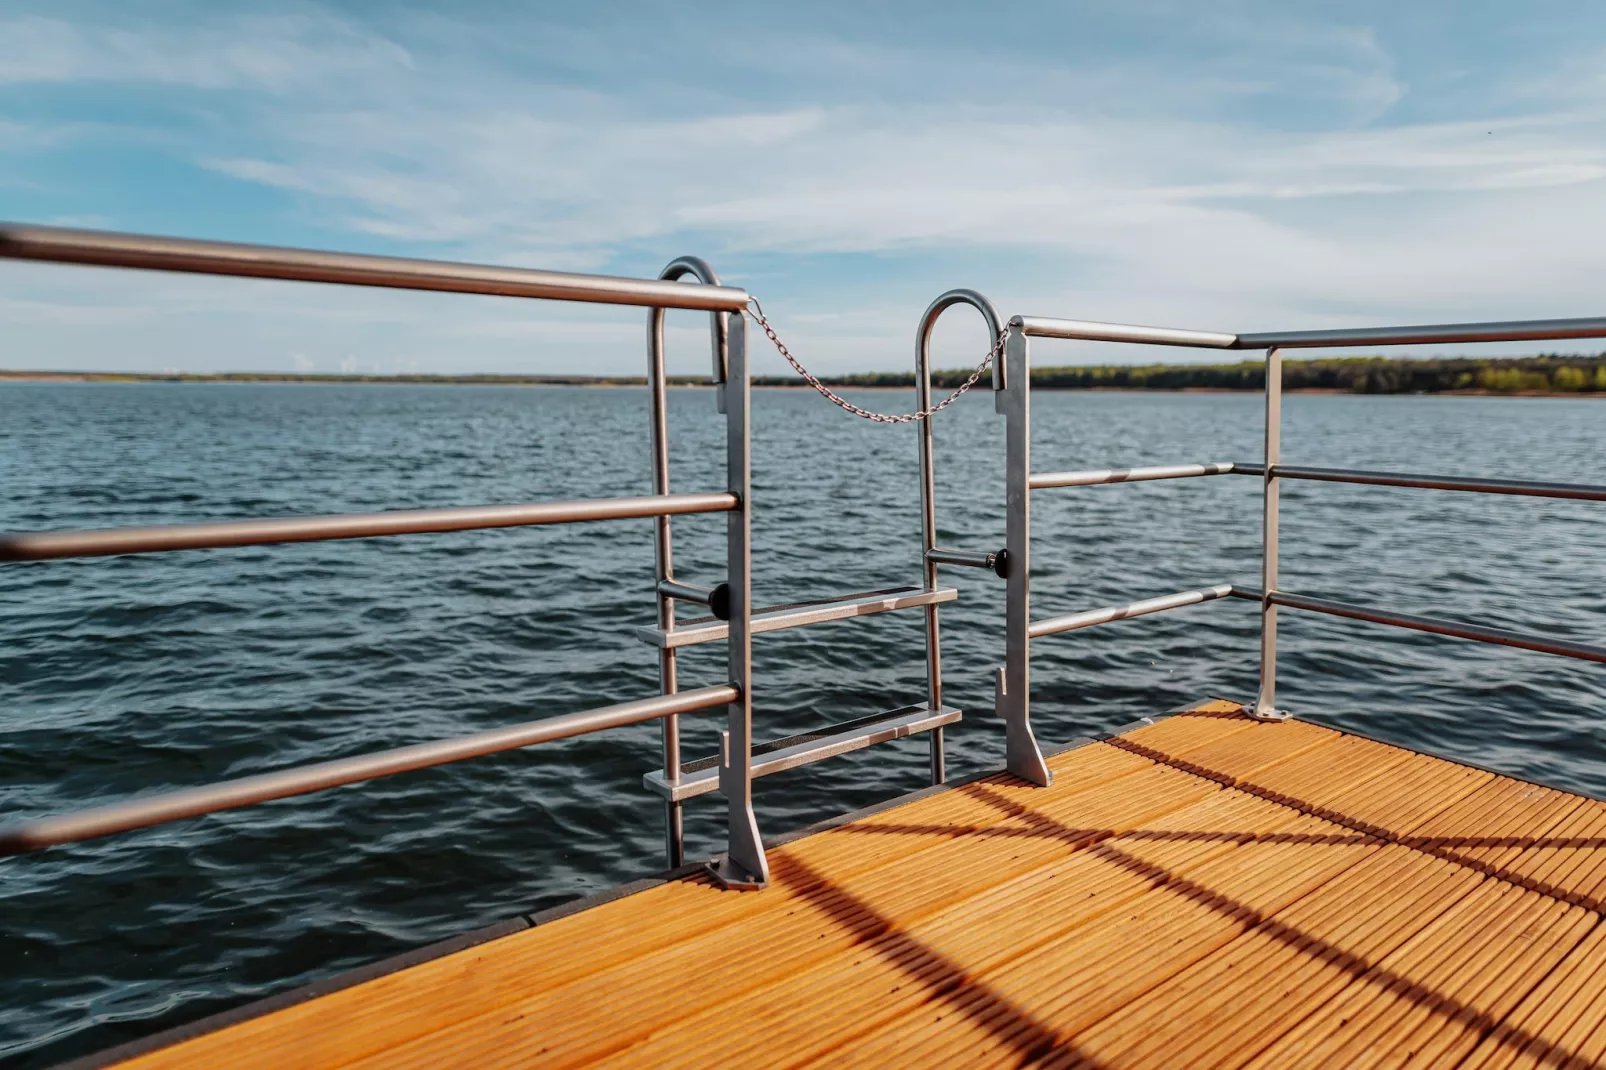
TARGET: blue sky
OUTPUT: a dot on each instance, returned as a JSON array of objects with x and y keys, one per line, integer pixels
[{"x": 1239, "y": 166}]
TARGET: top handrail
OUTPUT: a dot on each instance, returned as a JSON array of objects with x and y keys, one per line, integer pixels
[
  {"x": 62, "y": 245},
  {"x": 1440, "y": 333},
  {"x": 1091, "y": 331},
  {"x": 1434, "y": 333}
]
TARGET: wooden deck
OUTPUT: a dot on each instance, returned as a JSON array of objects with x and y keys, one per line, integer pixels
[{"x": 1205, "y": 890}]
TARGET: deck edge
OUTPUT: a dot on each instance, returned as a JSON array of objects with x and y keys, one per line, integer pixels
[
  {"x": 292, "y": 996},
  {"x": 1453, "y": 760}
]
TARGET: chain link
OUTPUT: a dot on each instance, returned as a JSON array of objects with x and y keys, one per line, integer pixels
[{"x": 996, "y": 353}]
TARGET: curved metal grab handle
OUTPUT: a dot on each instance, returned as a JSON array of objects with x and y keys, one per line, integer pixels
[
  {"x": 928, "y": 323},
  {"x": 718, "y": 322}
]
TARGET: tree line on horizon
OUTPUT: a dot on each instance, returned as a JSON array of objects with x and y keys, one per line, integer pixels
[
  {"x": 1542, "y": 374},
  {"x": 1354, "y": 375}
]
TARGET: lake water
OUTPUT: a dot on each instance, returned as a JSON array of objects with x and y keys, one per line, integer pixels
[{"x": 125, "y": 675}]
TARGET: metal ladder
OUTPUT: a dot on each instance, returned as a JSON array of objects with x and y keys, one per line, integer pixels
[{"x": 680, "y": 780}]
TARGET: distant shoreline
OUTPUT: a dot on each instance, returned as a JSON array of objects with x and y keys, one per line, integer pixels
[{"x": 1528, "y": 377}]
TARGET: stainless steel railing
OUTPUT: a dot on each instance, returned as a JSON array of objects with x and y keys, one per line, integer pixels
[
  {"x": 744, "y": 863},
  {"x": 735, "y": 620},
  {"x": 1014, "y": 401}
]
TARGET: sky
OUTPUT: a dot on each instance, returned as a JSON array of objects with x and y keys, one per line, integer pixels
[{"x": 1234, "y": 166}]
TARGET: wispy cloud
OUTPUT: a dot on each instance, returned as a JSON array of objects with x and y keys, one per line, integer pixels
[
  {"x": 277, "y": 52},
  {"x": 1258, "y": 167}
]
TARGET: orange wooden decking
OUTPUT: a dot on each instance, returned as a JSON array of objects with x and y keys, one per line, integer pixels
[{"x": 1205, "y": 890}]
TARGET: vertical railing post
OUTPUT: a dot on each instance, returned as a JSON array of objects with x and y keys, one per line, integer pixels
[
  {"x": 664, "y": 561},
  {"x": 1022, "y": 756},
  {"x": 928, "y": 542},
  {"x": 1266, "y": 703},
  {"x": 744, "y": 864}
]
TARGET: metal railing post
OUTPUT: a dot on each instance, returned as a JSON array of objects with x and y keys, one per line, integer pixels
[
  {"x": 744, "y": 864},
  {"x": 1022, "y": 756},
  {"x": 928, "y": 500},
  {"x": 657, "y": 384},
  {"x": 664, "y": 569},
  {"x": 1265, "y": 707},
  {"x": 928, "y": 542}
]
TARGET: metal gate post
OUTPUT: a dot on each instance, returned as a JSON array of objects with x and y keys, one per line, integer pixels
[
  {"x": 1022, "y": 756},
  {"x": 664, "y": 560},
  {"x": 744, "y": 864},
  {"x": 1266, "y": 703}
]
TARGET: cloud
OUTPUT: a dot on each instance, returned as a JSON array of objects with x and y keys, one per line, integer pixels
[
  {"x": 278, "y": 52},
  {"x": 1253, "y": 167}
]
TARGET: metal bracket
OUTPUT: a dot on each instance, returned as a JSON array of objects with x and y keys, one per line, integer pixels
[
  {"x": 1260, "y": 714},
  {"x": 1022, "y": 755},
  {"x": 733, "y": 875}
]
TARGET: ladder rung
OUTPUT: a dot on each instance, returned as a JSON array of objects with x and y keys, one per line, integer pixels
[
  {"x": 702, "y": 776},
  {"x": 796, "y": 615}
]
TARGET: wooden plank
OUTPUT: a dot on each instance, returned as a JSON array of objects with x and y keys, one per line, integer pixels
[
  {"x": 1568, "y": 862},
  {"x": 1240, "y": 999},
  {"x": 1554, "y": 1025},
  {"x": 1256, "y": 749},
  {"x": 1413, "y": 792},
  {"x": 1194, "y": 728},
  {"x": 1495, "y": 824},
  {"x": 1437, "y": 978},
  {"x": 1310, "y": 780},
  {"x": 1037, "y": 1002},
  {"x": 1485, "y": 989}
]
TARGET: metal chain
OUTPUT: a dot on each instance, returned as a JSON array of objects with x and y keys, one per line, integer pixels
[{"x": 996, "y": 353}]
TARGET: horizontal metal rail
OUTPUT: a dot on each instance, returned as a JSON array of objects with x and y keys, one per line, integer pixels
[
  {"x": 1090, "y": 331},
  {"x": 1095, "y": 476},
  {"x": 1088, "y": 618},
  {"x": 1426, "y": 334},
  {"x": 50, "y": 545},
  {"x": 717, "y": 599},
  {"x": 231, "y": 794},
  {"x": 686, "y": 592},
  {"x": 969, "y": 558},
  {"x": 702, "y": 776},
  {"x": 1497, "y": 636},
  {"x": 801, "y": 614},
  {"x": 69, "y": 246},
  {"x": 1436, "y": 333},
  {"x": 1528, "y": 488}
]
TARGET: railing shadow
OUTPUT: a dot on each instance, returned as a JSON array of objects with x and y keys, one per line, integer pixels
[
  {"x": 1450, "y": 848},
  {"x": 1029, "y": 1038}
]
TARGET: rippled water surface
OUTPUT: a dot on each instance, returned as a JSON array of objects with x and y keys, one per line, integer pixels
[{"x": 124, "y": 675}]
